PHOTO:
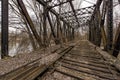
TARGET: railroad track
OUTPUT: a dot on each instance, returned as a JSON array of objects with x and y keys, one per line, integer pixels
[
  {"x": 73, "y": 63},
  {"x": 81, "y": 65},
  {"x": 31, "y": 70}
]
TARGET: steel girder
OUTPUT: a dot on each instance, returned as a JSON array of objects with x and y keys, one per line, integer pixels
[
  {"x": 4, "y": 27},
  {"x": 92, "y": 23},
  {"x": 110, "y": 25}
]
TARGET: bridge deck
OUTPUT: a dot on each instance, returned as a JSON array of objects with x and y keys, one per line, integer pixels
[{"x": 83, "y": 62}]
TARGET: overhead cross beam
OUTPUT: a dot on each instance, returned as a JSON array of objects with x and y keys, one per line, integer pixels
[
  {"x": 81, "y": 9},
  {"x": 68, "y": 16},
  {"x": 79, "y": 14},
  {"x": 53, "y": 11},
  {"x": 61, "y": 3},
  {"x": 81, "y": 18}
]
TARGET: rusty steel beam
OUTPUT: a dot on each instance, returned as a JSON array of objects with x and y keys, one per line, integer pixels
[
  {"x": 110, "y": 25},
  {"x": 45, "y": 27},
  {"x": 26, "y": 15},
  {"x": 4, "y": 27},
  {"x": 92, "y": 35},
  {"x": 58, "y": 28}
]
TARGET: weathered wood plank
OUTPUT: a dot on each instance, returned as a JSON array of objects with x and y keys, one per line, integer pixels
[
  {"x": 88, "y": 71},
  {"x": 75, "y": 74}
]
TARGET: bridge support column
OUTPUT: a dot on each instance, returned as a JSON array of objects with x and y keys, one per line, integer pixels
[
  {"x": 98, "y": 29},
  {"x": 73, "y": 33},
  {"x": 4, "y": 27},
  {"x": 116, "y": 46},
  {"x": 90, "y": 31},
  {"x": 45, "y": 37},
  {"x": 58, "y": 30},
  {"x": 110, "y": 25}
]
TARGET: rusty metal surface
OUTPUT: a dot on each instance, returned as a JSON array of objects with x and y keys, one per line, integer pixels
[{"x": 4, "y": 28}]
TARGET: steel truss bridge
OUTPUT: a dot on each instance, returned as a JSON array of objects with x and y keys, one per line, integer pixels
[
  {"x": 59, "y": 21},
  {"x": 68, "y": 22}
]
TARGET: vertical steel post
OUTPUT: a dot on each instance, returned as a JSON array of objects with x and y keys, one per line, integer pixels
[
  {"x": 4, "y": 27},
  {"x": 94, "y": 32},
  {"x": 116, "y": 46},
  {"x": 98, "y": 29},
  {"x": 65, "y": 31},
  {"x": 45, "y": 27},
  {"x": 58, "y": 28},
  {"x": 73, "y": 33},
  {"x": 110, "y": 25},
  {"x": 90, "y": 30}
]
